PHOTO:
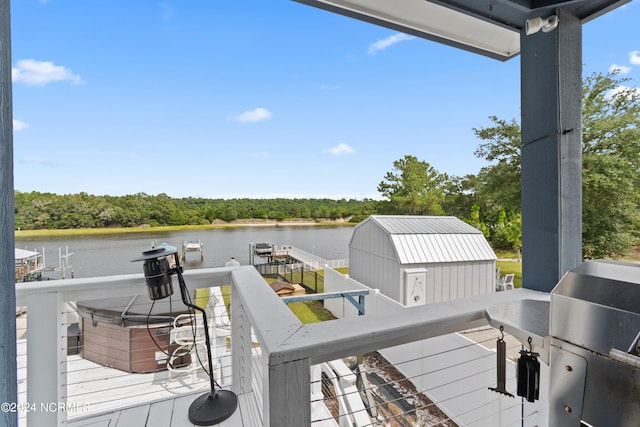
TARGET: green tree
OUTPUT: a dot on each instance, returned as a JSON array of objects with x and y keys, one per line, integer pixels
[
  {"x": 611, "y": 155},
  {"x": 508, "y": 232},
  {"x": 513, "y": 233},
  {"x": 611, "y": 166},
  {"x": 475, "y": 220},
  {"x": 413, "y": 188},
  {"x": 460, "y": 196},
  {"x": 499, "y": 184},
  {"x": 46, "y": 210}
]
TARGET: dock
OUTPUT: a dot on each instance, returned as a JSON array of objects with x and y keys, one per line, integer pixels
[
  {"x": 268, "y": 253},
  {"x": 29, "y": 265}
]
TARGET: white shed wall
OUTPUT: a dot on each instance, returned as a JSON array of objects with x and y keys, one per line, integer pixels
[
  {"x": 450, "y": 281},
  {"x": 445, "y": 281},
  {"x": 373, "y": 260},
  {"x": 378, "y": 272},
  {"x": 373, "y": 303}
]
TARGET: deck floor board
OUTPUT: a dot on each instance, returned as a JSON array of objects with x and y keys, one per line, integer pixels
[
  {"x": 158, "y": 413},
  {"x": 172, "y": 412}
]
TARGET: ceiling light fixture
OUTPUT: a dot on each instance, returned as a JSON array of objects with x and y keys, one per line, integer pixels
[{"x": 533, "y": 25}]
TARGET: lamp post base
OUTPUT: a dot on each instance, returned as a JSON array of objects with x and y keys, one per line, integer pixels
[{"x": 210, "y": 409}]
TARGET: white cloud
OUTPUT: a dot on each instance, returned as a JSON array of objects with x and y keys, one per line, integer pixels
[
  {"x": 340, "y": 149},
  {"x": 621, "y": 69},
  {"x": 18, "y": 125},
  {"x": 385, "y": 43},
  {"x": 39, "y": 73},
  {"x": 634, "y": 57},
  {"x": 250, "y": 116}
]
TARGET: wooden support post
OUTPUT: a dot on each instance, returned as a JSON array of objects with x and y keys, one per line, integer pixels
[
  {"x": 8, "y": 366},
  {"x": 551, "y": 69}
]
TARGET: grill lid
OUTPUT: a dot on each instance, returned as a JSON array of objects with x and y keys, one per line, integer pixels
[{"x": 597, "y": 306}]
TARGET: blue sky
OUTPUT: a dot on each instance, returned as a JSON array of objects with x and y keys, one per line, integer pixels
[{"x": 237, "y": 98}]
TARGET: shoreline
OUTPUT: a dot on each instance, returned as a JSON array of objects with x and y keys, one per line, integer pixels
[{"x": 30, "y": 234}]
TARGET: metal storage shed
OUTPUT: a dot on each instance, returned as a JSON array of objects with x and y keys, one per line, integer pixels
[{"x": 422, "y": 259}]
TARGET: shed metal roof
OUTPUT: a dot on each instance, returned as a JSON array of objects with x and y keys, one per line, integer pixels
[
  {"x": 402, "y": 224},
  {"x": 438, "y": 248},
  {"x": 434, "y": 239}
]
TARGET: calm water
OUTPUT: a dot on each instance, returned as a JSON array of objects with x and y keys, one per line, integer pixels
[{"x": 112, "y": 254}]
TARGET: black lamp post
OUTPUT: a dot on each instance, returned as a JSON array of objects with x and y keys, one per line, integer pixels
[{"x": 159, "y": 264}]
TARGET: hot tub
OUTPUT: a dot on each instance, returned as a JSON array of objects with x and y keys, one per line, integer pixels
[{"x": 120, "y": 332}]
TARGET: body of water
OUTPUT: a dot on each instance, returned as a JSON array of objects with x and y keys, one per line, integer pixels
[{"x": 112, "y": 254}]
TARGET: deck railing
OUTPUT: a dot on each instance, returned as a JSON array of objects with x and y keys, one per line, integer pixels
[{"x": 288, "y": 348}]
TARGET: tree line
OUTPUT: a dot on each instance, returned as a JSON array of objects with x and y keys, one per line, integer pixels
[
  {"x": 35, "y": 210},
  {"x": 489, "y": 200}
]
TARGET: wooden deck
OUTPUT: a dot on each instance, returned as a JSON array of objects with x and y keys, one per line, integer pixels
[
  {"x": 103, "y": 396},
  {"x": 107, "y": 397},
  {"x": 170, "y": 412}
]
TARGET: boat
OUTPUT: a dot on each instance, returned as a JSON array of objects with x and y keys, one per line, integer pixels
[{"x": 192, "y": 246}]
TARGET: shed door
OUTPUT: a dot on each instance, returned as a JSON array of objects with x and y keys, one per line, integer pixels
[{"x": 415, "y": 286}]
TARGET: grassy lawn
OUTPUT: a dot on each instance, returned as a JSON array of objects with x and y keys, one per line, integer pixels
[
  {"x": 35, "y": 234},
  {"x": 310, "y": 311},
  {"x": 202, "y": 297},
  {"x": 306, "y": 312},
  {"x": 61, "y": 233}
]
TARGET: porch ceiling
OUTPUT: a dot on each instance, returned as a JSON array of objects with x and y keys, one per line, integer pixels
[{"x": 487, "y": 27}]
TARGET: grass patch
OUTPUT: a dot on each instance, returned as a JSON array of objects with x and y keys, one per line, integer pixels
[
  {"x": 79, "y": 232},
  {"x": 508, "y": 254},
  {"x": 226, "y": 296},
  {"x": 310, "y": 311},
  {"x": 61, "y": 233},
  {"x": 508, "y": 267},
  {"x": 202, "y": 297}
]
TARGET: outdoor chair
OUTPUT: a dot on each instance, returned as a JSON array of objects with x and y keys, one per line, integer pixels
[
  {"x": 187, "y": 347},
  {"x": 188, "y": 351},
  {"x": 506, "y": 283}
]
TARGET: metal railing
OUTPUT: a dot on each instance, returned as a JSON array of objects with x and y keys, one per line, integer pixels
[
  {"x": 315, "y": 262},
  {"x": 288, "y": 348},
  {"x": 291, "y": 348}
]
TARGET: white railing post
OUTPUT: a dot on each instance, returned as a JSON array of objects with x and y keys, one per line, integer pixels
[
  {"x": 240, "y": 345},
  {"x": 46, "y": 360}
]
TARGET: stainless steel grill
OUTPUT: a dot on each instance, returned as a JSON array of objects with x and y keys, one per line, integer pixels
[{"x": 594, "y": 358}]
